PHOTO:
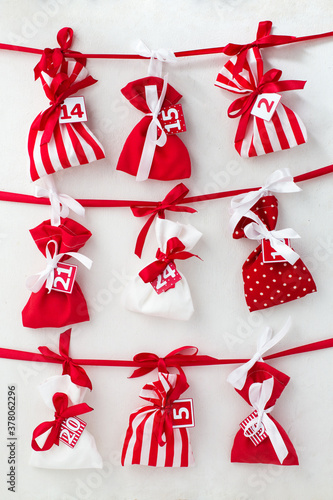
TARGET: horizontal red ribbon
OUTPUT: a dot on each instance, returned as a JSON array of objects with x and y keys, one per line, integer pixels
[
  {"x": 77, "y": 373},
  {"x": 62, "y": 411},
  {"x": 174, "y": 250},
  {"x": 268, "y": 84},
  {"x": 170, "y": 202}
]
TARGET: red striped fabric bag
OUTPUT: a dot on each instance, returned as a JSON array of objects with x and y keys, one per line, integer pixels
[
  {"x": 55, "y": 146},
  {"x": 256, "y": 136},
  {"x": 150, "y": 438}
]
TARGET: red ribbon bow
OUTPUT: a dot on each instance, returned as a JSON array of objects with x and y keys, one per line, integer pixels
[
  {"x": 61, "y": 89},
  {"x": 174, "y": 250},
  {"x": 267, "y": 84},
  {"x": 62, "y": 411},
  {"x": 176, "y": 195},
  {"x": 77, "y": 373},
  {"x": 264, "y": 39},
  {"x": 52, "y": 59}
]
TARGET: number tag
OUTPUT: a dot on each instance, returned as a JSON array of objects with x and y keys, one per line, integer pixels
[
  {"x": 70, "y": 430},
  {"x": 269, "y": 254},
  {"x": 167, "y": 279},
  {"x": 172, "y": 119},
  {"x": 64, "y": 277},
  {"x": 182, "y": 413},
  {"x": 248, "y": 427},
  {"x": 73, "y": 110},
  {"x": 265, "y": 106}
]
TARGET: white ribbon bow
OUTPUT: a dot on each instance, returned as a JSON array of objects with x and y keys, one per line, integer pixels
[
  {"x": 259, "y": 395},
  {"x": 258, "y": 231},
  {"x": 35, "y": 282},
  {"x": 60, "y": 203},
  {"x": 266, "y": 341},
  {"x": 154, "y": 104},
  {"x": 280, "y": 181},
  {"x": 157, "y": 57}
]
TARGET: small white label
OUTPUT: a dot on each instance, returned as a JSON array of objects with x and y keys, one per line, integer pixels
[
  {"x": 73, "y": 110},
  {"x": 265, "y": 106}
]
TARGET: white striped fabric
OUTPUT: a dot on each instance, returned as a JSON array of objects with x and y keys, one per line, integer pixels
[
  {"x": 284, "y": 131},
  {"x": 71, "y": 144}
]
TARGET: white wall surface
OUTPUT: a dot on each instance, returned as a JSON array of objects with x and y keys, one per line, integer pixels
[{"x": 305, "y": 408}]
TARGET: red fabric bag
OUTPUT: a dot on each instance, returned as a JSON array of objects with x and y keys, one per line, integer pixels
[
  {"x": 150, "y": 438},
  {"x": 170, "y": 161},
  {"x": 272, "y": 283},
  {"x": 264, "y": 385},
  {"x": 57, "y": 309},
  {"x": 54, "y": 146}
]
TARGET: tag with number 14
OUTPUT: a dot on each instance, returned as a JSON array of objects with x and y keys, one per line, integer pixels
[{"x": 73, "y": 110}]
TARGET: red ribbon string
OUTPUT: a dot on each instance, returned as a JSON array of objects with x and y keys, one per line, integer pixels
[
  {"x": 174, "y": 197},
  {"x": 268, "y": 84},
  {"x": 264, "y": 39},
  {"x": 77, "y": 373},
  {"x": 174, "y": 250},
  {"x": 26, "y": 198},
  {"x": 62, "y": 411},
  {"x": 48, "y": 118}
]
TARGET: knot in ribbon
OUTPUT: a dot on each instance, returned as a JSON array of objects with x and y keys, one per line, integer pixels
[
  {"x": 268, "y": 83},
  {"x": 77, "y": 373},
  {"x": 61, "y": 204},
  {"x": 264, "y": 39},
  {"x": 259, "y": 395},
  {"x": 258, "y": 231},
  {"x": 35, "y": 282},
  {"x": 174, "y": 250},
  {"x": 62, "y": 412},
  {"x": 52, "y": 59},
  {"x": 157, "y": 57},
  {"x": 175, "y": 196},
  {"x": 280, "y": 181},
  {"x": 266, "y": 341},
  {"x": 150, "y": 361},
  {"x": 152, "y": 140},
  {"x": 62, "y": 88}
]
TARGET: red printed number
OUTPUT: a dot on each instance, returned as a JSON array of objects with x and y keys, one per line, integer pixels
[
  {"x": 265, "y": 106},
  {"x": 266, "y": 103},
  {"x": 73, "y": 110},
  {"x": 70, "y": 431}
]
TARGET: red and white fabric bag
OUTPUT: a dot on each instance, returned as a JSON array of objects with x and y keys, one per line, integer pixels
[
  {"x": 261, "y": 439},
  {"x": 54, "y": 146},
  {"x": 60, "y": 392},
  {"x": 150, "y": 438},
  {"x": 266, "y": 125},
  {"x": 175, "y": 302}
]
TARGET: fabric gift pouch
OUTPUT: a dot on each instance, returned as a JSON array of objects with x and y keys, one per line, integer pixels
[
  {"x": 150, "y": 151},
  {"x": 269, "y": 277},
  {"x": 49, "y": 307},
  {"x": 58, "y": 137},
  {"x": 151, "y": 438},
  {"x": 64, "y": 443},
  {"x": 261, "y": 439},
  {"x": 265, "y": 124},
  {"x": 160, "y": 289}
]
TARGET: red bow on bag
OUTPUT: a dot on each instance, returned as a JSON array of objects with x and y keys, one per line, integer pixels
[
  {"x": 53, "y": 59},
  {"x": 174, "y": 250},
  {"x": 264, "y": 39},
  {"x": 268, "y": 83},
  {"x": 62, "y": 412},
  {"x": 176, "y": 195},
  {"x": 183, "y": 356},
  {"x": 77, "y": 374}
]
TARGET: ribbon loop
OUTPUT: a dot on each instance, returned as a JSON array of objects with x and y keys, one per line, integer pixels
[
  {"x": 151, "y": 361},
  {"x": 266, "y": 341},
  {"x": 61, "y": 204},
  {"x": 157, "y": 57},
  {"x": 35, "y": 282},
  {"x": 280, "y": 181},
  {"x": 258, "y": 231}
]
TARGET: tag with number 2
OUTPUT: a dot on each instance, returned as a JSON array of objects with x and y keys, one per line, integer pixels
[{"x": 167, "y": 279}]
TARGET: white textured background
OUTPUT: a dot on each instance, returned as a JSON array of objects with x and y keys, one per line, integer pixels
[{"x": 221, "y": 325}]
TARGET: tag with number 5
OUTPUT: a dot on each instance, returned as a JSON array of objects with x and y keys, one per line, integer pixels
[
  {"x": 167, "y": 279},
  {"x": 182, "y": 413}
]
